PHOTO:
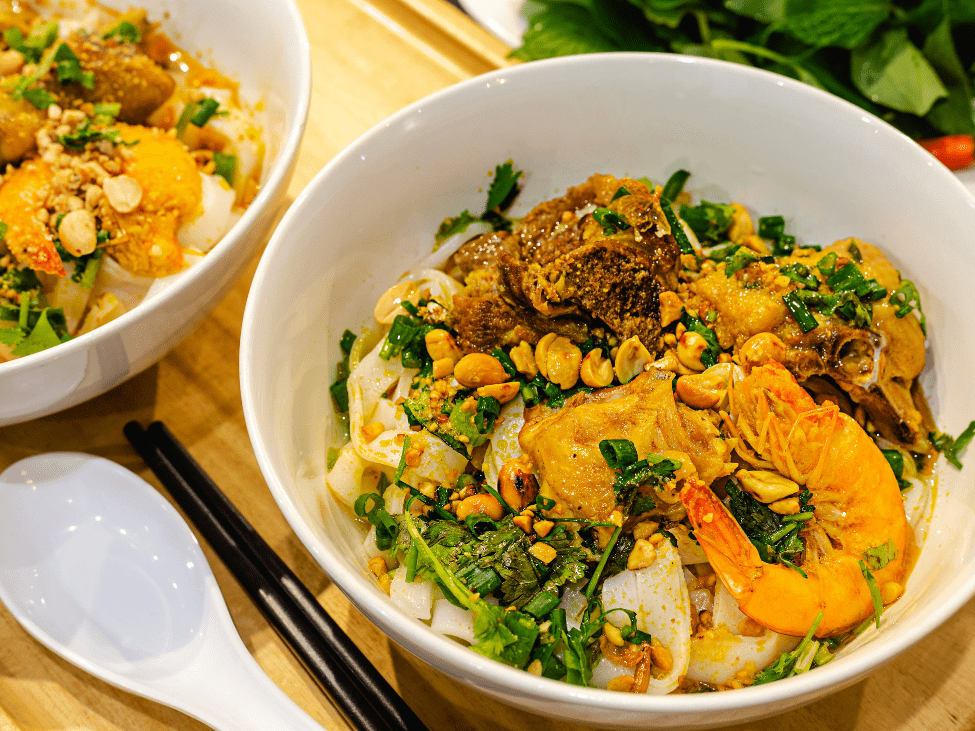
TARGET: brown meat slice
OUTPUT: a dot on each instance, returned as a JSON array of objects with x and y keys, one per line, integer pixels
[
  {"x": 123, "y": 74},
  {"x": 563, "y": 271},
  {"x": 20, "y": 121},
  {"x": 564, "y": 444}
]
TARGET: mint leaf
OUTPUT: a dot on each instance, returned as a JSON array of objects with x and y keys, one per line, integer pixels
[
  {"x": 843, "y": 23},
  {"x": 892, "y": 71},
  {"x": 567, "y": 31},
  {"x": 955, "y": 113}
]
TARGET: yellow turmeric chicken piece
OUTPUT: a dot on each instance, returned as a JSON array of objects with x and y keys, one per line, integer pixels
[{"x": 143, "y": 239}]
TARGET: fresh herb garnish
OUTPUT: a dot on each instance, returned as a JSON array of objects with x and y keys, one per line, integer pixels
[
  {"x": 808, "y": 654},
  {"x": 40, "y": 38},
  {"x": 906, "y": 298},
  {"x": 225, "y": 166},
  {"x": 69, "y": 69},
  {"x": 340, "y": 386},
  {"x": 709, "y": 221},
  {"x": 502, "y": 193},
  {"x": 123, "y": 31},
  {"x": 776, "y": 538},
  {"x": 952, "y": 448},
  {"x": 636, "y": 479},
  {"x": 710, "y": 356},
  {"x": 85, "y": 133}
]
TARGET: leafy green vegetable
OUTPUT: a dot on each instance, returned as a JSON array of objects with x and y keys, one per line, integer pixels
[
  {"x": 710, "y": 221},
  {"x": 774, "y": 536},
  {"x": 952, "y": 448},
  {"x": 225, "y": 166},
  {"x": 908, "y": 61},
  {"x": 808, "y": 654},
  {"x": 85, "y": 133},
  {"x": 69, "y": 69},
  {"x": 33, "y": 46},
  {"x": 878, "y": 602},
  {"x": 123, "y": 31}
]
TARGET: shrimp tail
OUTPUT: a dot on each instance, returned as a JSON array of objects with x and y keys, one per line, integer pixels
[{"x": 731, "y": 554}]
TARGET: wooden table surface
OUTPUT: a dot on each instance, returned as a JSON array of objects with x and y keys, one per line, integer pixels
[{"x": 370, "y": 58}]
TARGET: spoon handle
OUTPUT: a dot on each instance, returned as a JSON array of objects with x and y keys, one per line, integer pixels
[{"x": 225, "y": 687}]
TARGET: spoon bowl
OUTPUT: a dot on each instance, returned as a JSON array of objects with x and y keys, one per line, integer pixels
[{"x": 102, "y": 570}]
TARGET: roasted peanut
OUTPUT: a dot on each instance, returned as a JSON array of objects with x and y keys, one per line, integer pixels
[
  {"x": 891, "y": 591},
  {"x": 596, "y": 370},
  {"x": 543, "y": 527},
  {"x": 765, "y": 486},
  {"x": 10, "y": 62},
  {"x": 541, "y": 353},
  {"x": 662, "y": 657},
  {"x": 613, "y": 634},
  {"x": 756, "y": 243},
  {"x": 760, "y": 349},
  {"x": 700, "y": 391},
  {"x": 562, "y": 363},
  {"x": 78, "y": 232},
  {"x": 377, "y": 564},
  {"x": 786, "y": 506},
  {"x": 631, "y": 359},
  {"x": 124, "y": 193},
  {"x": 741, "y": 224},
  {"x": 372, "y": 430},
  {"x": 479, "y": 369},
  {"x": 516, "y": 483},
  {"x": 621, "y": 684},
  {"x": 642, "y": 555},
  {"x": 523, "y": 357},
  {"x": 667, "y": 362},
  {"x": 480, "y": 503},
  {"x": 503, "y": 392},
  {"x": 441, "y": 344},
  {"x": 690, "y": 348},
  {"x": 443, "y": 367},
  {"x": 543, "y": 552},
  {"x": 670, "y": 307}
]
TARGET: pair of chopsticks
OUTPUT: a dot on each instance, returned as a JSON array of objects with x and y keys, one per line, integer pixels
[{"x": 368, "y": 702}]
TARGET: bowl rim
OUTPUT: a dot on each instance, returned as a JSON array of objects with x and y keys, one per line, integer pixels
[
  {"x": 278, "y": 176},
  {"x": 467, "y": 666}
]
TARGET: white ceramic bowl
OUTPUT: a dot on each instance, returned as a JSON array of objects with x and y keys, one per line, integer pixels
[
  {"x": 267, "y": 52},
  {"x": 778, "y": 146}
]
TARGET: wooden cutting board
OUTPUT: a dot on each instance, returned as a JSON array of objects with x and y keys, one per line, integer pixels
[{"x": 370, "y": 58}]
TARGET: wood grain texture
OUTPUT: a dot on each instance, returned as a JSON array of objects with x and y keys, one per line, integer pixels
[{"x": 370, "y": 58}]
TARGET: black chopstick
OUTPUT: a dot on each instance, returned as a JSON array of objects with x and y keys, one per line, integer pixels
[{"x": 340, "y": 668}]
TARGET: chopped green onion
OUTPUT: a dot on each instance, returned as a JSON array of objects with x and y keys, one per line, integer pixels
[
  {"x": 618, "y": 453},
  {"x": 673, "y": 187},
  {"x": 677, "y": 231},
  {"x": 205, "y": 110},
  {"x": 798, "y": 309},
  {"x": 225, "y": 166}
]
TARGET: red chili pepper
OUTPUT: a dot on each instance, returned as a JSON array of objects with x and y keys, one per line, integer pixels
[{"x": 955, "y": 151}]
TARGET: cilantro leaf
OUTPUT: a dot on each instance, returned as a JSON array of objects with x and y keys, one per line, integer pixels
[{"x": 503, "y": 185}]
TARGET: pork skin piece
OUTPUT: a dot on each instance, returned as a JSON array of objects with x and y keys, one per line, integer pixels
[{"x": 564, "y": 444}]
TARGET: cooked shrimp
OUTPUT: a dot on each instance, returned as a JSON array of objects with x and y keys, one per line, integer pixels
[
  {"x": 22, "y": 208},
  {"x": 857, "y": 506}
]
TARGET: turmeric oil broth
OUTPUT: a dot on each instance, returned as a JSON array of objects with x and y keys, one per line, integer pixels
[
  {"x": 123, "y": 161},
  {"x": 640, "y": 442}
]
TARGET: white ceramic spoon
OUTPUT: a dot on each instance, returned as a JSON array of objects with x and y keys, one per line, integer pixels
[{"x": 100, "y": 568}]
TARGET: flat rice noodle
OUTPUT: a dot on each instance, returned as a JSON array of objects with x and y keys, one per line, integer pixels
[
  {"x": 503, "y": 445},
  {"x": 719, "y": 653},
  {"x": 658, "y": 595}
]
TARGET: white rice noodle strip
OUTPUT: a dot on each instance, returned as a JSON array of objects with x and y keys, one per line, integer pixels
[
  {"x": 719, "y": 653},
  {"x": 369, "y": 548},
  {"x": 70, "y": 296},
  {"x": 112, "y": 277},
  {"x": 437, "y": 462},
  {"x": 395, "y": 497},
  {"x": 443, "y": 287},
  {"x": 438, "y": 258},
  {"x": 390, "y": 415},
  {"x": 658, "y": 595},
  {"x": 451, "y": 620},
  {"x": 415, "y": 598},
  {"x": 373, "y": 377},
  {"x": 574, "y": 603},
  {"x": 503, "y": 444},
  {"x": 688, "y": 549},
  {"x": 213, "y": 218},
  {"x": 345, "y": 477}
]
